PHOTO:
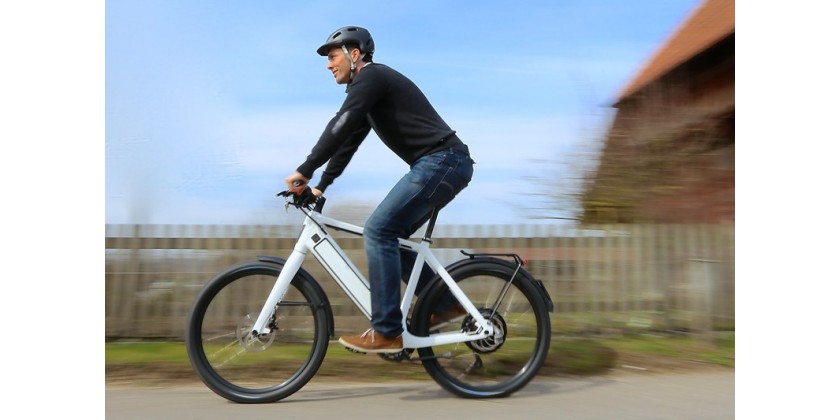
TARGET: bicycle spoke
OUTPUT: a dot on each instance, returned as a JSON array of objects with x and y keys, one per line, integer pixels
[
  {"x": 498, "y": 365},
  {"x": 256, "y": 368}
]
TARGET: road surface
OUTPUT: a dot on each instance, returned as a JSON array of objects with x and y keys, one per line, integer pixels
[{"x": 706, "y": 396}]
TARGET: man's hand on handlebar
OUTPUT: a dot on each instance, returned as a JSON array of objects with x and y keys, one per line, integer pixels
[
  {"x": 305, "y": 198},
  {"x": 296, "y": 183},
  {"x": 300, "y": 192}
]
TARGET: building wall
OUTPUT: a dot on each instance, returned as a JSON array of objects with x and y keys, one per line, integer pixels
[{"x": 670, "y": 155}]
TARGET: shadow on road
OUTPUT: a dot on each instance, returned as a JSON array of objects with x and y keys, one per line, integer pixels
[{"x": 427, "y": 391}]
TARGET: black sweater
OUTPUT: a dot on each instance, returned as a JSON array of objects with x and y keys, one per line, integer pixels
[{"x": 381, "y": 98}]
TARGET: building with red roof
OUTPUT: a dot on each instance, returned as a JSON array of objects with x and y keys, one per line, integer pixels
[{"x": 669, "y": 156}]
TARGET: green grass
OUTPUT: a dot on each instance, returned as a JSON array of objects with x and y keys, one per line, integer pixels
[
  {"x": 145, "y": 352},
  {"x": 720, "y": 351},
  {"x": 568, "y": 355}
]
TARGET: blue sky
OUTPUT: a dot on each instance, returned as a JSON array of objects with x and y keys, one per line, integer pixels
[{"x": 210, "y": 104}]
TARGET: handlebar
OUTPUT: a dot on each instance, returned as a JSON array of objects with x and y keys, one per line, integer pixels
[{"x": 303, "y": 200}]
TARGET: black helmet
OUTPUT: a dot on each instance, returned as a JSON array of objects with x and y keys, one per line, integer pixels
[{"x": 348, "y": 35}]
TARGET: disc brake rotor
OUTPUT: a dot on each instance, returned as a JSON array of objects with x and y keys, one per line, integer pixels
[{"x": 247, "y": 340}]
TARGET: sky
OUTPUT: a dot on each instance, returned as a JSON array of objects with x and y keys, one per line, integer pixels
[{"x": 209, "y": 105}]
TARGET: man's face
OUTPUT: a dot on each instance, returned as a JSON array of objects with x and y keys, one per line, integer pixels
[{"x": 338, "y": 64}]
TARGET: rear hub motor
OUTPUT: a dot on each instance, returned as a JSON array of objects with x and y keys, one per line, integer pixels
[{"x": 491, "y": 343}]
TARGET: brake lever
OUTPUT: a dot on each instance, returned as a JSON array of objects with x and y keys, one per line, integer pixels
[{"x": 298, "y": 200}]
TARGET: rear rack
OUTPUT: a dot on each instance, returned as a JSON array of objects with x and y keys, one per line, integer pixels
[{"x": 515, "y": 257}]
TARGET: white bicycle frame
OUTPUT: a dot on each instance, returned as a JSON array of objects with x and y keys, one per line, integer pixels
[{"x": 316, "y": 240}]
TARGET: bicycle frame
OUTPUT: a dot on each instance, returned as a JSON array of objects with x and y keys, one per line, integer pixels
[{"x": 315, "y": 239}]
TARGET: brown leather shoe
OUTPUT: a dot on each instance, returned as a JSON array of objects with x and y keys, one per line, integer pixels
[
  {"x": 447, "y": 316},
  {"x": 371, "y": 341}
]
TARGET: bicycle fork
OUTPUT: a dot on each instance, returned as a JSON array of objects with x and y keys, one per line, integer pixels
[
  {"x": 313, "y": 239},
  {"x": 279, "y": 289}
]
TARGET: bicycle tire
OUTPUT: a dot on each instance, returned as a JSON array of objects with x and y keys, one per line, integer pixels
[
  {"x": 496, "y": 366},
  {"x": 246, "y": 370}
]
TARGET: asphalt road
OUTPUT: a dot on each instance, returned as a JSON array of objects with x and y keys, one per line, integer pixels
[{"x": 706, "y": 396}]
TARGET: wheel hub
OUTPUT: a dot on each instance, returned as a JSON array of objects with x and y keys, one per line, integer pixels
[
  {"x": 249, "y": 341},
  {"x": 491, "y": 343}
]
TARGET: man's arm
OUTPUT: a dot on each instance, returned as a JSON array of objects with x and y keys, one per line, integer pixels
[
  {"x": 343, "y": 129},
  {"x": 342, "y": 157}
]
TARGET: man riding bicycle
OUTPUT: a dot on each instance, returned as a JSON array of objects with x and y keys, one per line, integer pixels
[{"x": 382, "y": 99}]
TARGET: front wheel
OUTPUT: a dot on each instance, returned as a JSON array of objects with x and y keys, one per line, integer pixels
[
  {"x": 494, "y": 366},
  {"x": 247, "y": 369}
]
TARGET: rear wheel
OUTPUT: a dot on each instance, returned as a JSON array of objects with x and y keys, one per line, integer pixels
[
  {"x": 494, "y": 366},
  {"x": 247, "y": 369}
]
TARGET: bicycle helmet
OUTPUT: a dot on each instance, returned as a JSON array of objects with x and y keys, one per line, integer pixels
[{"x": 348, "y": 35}]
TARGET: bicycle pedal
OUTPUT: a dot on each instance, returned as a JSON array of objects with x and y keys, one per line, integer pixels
[{"x": 404, "y": 355}]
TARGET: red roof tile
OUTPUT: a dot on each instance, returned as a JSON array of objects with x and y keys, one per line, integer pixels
[{"x": 709, "y": 23}]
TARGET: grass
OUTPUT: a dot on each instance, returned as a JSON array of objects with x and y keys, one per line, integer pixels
[
  {"x": 168, "y": 361},
  {"x": 719, "y": 351},
  {"x": 145, "y": 352}
]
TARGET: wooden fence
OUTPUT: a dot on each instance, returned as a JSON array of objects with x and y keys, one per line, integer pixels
[{"x": 602, "y": 279}]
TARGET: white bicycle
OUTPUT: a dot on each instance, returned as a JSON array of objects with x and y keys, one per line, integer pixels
[{"x": 259, "y": 330}]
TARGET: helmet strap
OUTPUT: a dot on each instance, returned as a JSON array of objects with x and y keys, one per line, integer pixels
[{"x": 350, "y": 59}]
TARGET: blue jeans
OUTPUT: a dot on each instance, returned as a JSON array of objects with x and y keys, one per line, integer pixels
[{"x": 433, "y": 181}]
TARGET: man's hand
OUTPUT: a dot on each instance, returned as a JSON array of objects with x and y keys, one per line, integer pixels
[{"x": 296, "y": 183}]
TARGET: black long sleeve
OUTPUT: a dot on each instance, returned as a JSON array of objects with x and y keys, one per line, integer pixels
[
  {"x": 394, "y": 107},
  {"x": 342, "y": 157}
]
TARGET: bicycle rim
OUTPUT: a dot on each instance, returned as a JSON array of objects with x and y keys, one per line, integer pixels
[
  {"x": 496, "y": 366},
  {"x": 248, "y": 369}
]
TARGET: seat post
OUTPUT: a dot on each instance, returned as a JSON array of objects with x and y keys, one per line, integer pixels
[{"x": 431, "y": 225}]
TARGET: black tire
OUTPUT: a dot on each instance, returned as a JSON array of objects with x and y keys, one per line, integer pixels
[
  {"x": 270, "y": 368},
  {"x": 496, "y": 366}
]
